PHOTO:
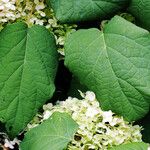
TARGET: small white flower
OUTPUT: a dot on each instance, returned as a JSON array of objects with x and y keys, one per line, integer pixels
[
  {"x": 2, "y": 14},
  {"x": 3, "y": 20},
  {"x": 61, "y": 41},
  {"x": 39, "y": 22},
  {"x": 119, "y": 140},
  {"x": 8, "y": 5},
  {"x": 9, "y": 144},
  {"x": 85, "y": 104},
  {"x": 18, "y": 15},
  {"x": 15, "y": 141},
  {"x": 114, "y": 121},
  {"x": 10, "y": 15},
  {"x": 53, "y": 22},
  {"x": 42, "y": 14},
  {"x": 39, "y": 7},
  {"x": 5, "y": 1},
  {"x": 90, "y": 96},
  {"x": 1, "y": 7},
  {"x": 47, "y": 114},
  {"x": 13, "y": 7},
  {"x": 107, "y": 116},
  {"x": 91, "y": 112},
  {"x": 23, "y": 14},
  {"x": 91, "y": 146},
  {"x": 48, "y": 106}
]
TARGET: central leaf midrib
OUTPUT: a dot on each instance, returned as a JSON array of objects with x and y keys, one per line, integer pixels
[{"x": 18, "y": 103}]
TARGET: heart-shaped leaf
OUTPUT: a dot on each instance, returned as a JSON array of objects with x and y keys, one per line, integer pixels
[
  {"x": 131, "y": 146},
  {"x": 28, "y": 63},
  {"x": 115, "y": 64},
  {"x": 141, "y": 10},
  {"x": 83, "y": 10},
  {"x": 53, "y": 134}
]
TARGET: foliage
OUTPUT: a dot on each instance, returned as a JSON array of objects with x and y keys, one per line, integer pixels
[
  {"x": 54, "y": 133},
  {"x": 141, "y": 10},
  {"x": 34, "y": 12},
  {"x": 28, "y": 67},
  {"x": 131, "y": 146},
  {"x": 44, "y": 57},
  {"x": 97, "y": 128},
  {"x": 110, "y": 63},
  {"x": 77, "y": 10}
]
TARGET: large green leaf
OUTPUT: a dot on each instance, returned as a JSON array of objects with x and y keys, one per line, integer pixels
[
  {"x": 28, "y": 62},
  {"x": 131, "y": 146},
  {"x": 53, "y": 134},
  {"x": 141, "y": 10},
  {"x": 82, "y": 10},
  {"x": 115, "y": 64}
]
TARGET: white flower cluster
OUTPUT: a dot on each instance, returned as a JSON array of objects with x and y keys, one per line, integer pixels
[
  {"x": 11, "y": 144},
  {"x": 61, "y": 31},
  {"x": 29, "y": 11},
  {"x": 7, "y": 10},
  {"x": 6, "y": 143},
  {"x": 34, "y": 12},
  {"x": 97, "y": 129}
]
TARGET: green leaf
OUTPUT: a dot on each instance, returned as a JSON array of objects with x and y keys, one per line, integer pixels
[
  {"x": 82, "y": 10},
  {"x": 28, "y": 63},
  {"x": 131, "y": 146},
  {"x": 141, "y": 10},
  {"x": 53, "y": 134},
  {"x": 115, "y": 64}
]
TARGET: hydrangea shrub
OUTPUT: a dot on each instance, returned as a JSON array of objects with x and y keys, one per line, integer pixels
[
  {"x": 98, "y": 129},
  {"x": 50, "y": 49}
]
